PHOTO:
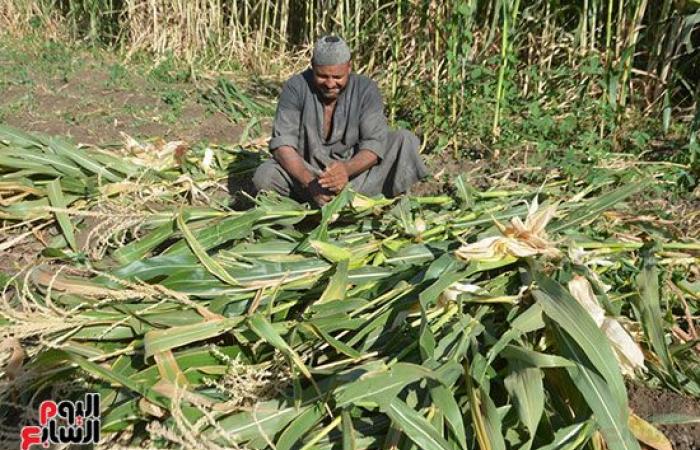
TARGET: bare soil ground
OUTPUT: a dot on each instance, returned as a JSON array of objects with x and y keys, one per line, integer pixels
[
  {"x": 648, "y": 403},
  {"x": 94, "y": 101},
  {"x": 445, "y": 167},
  {"x": 90, "y": 112}
]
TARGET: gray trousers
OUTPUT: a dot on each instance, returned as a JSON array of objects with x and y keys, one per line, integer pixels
[{"x": 400, "y": 168}]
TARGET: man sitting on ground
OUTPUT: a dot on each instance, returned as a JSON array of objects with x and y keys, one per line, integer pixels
[{"x": 330, "y": 130}]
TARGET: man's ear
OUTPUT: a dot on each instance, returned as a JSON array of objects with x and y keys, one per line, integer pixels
[{"x": 350, "y": 66}]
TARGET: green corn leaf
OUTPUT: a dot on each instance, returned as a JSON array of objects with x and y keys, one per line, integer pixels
[
  {"x": 592, "y": 209},
  {"x": 124, "y": 166},
  {"x": 416, "y": 427},
  {"x": 264, "y": 419},
  {"x": 300, "y": 427},
  {"x": 207, "y": 261},
  {"x": 465, "y": 191},
  {"x": 262, "y": 273},
  {"x": 108, "y": 375},
  {"x": 610, "y": 414},
  {"x": 492, "y": 422},
  {"x": 220, "y": 232},
  {"x": 561, "y": 307},
  {"x": 157, "y": 266},
  {"x": 188, "y": 359},
  {"x": 161, "y": 340},
  {"x": 349, "y": 438},
  {"x": 674, "y": 419},
  {"x": 58, "y": 201},
  {"x": 485, "y": 420},
  {"x": 264, "y": 329},
  {"x": 320, "y": 233},
  {"x": 136, "y": 250},
  {"x": 571, "y": 437},
  {"x": 120, "y": 417},
  {"x": 381, "y": 387},
  {"x": 649, "y": 306},
  {"x": 426, "y": 338},
  {"x": 168, "y": 368},
  {"x": 331, "y": 252},
  {"x": 526, "y": 388},
  {"x": 528, "y": 321},
  {"x": 337, "y": 285},
  {"x": 18, "y": 138},
  {"x": 83, "y": 159},
  {"x": 339, "y": 346},
  {"x": 531, "y": 358},
  {"x": 66, "y": 167},
  {"x": 446, "y": 403},
  {"x": 32, "y": 167}
]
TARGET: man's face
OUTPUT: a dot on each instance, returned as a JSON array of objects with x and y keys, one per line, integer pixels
[{"x": 331, "y": 80}]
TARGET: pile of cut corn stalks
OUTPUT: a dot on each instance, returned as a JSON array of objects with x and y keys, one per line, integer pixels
[{"x": 490, "y": 319}]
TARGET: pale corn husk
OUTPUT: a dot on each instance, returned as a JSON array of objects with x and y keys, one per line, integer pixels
[
  {"x": 578, "y": 255},
  {"x": 627, "y": 351},
  {"x": 582, "y": 291},
  {"x": 11, "y": 358},
  {"x": 518, "y": 240},
  {"x": 159, "y": 155},
  {"x": 452, "y": 292}
]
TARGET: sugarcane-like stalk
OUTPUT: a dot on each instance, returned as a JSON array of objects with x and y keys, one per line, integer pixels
[
  {"x": 436, "y": 63},
  {"x": 395, "y": 62},
  {"x": 505, "y": 50},
  {"x": 630, "y": 47}
]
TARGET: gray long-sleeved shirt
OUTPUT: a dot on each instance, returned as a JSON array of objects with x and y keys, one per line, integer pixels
[
  {"x": 358, "y": 120},
  {"x": 358, "y": 124}
]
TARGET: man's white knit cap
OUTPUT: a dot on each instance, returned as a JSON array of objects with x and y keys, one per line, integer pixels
[{"x": 330, "y": 51}]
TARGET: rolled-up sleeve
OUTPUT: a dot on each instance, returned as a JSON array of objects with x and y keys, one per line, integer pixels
[
  {"x": 285, "y": 128},
  {"x": 373, "y": 124}
]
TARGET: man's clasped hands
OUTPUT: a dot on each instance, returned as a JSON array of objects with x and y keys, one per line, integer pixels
[{"x": 329, "y": 182}]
